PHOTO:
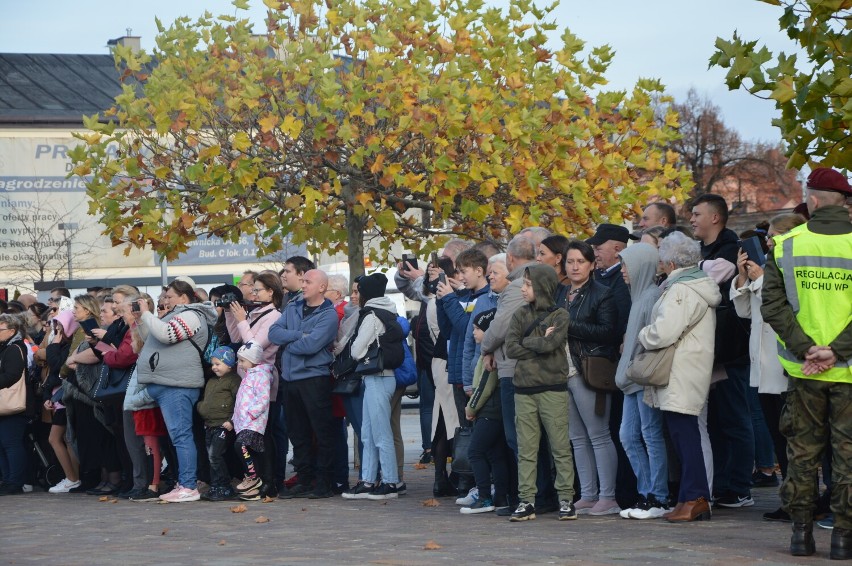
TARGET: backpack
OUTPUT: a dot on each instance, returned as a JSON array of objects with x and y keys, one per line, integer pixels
[
  {"x": 390, "y": 343},
  {"x": 406, "y": 373}
]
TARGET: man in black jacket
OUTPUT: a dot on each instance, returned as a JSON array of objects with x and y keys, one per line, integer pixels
[
  {"x": 609, "y": 240},
  {"x": 729, "y": 417}
]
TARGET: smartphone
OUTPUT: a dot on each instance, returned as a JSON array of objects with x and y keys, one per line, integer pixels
[
  {"x": 442, "y": 278},
  {"x": 754, "y": 251},
  {"x": 135, "y": 307},
  {"x": 434, "y": 260},
  {"x": 409, "y": 258},
  {"x": 88, "y": 325}
]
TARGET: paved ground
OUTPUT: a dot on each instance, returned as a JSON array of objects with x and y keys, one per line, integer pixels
[{"x": 80, "y": 529}]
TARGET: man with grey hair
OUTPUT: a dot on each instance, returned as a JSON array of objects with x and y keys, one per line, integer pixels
[
  {"x": 536, "y": 234},
  {"x": 338, "y": 286}
]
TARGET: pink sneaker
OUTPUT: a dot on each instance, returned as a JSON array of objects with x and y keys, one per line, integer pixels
[
  {"x": 181, "y": 494},
  {"x": 583, "y": 505},
  {"x": 605, "y": 507}
]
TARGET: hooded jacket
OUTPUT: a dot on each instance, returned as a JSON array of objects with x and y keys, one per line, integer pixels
[
  {"x": 217, "y": 404},
  {"x": 689, "y": 299},
  {"x": 454, "y": 312},
  {"x": 641, "y": 262},
  {"x": 471, "y": 353},
  {"x": 305, "y": 341},
  {"x": 168, "y": 357},
  {"x": 371, "y": 328},
  {"x": 494, "y": 341},
  {"x": 542, "y": 361},
  {"x": 251, "y": 406}
]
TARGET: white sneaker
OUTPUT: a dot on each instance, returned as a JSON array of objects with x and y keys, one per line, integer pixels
[
  {"x": 181, "y": 494},
  {"x": 469, "y": 499},
  {"x": 64, "y": 486}
]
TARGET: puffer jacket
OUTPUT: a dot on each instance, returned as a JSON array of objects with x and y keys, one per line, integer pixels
[
  {"x": 168, "y": 357},
  {"x": 542, "y": 361},
  {"x": 689, "y": 299}
]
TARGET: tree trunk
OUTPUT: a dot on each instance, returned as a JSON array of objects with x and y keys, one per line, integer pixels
[{"x": 354, "y": 234}]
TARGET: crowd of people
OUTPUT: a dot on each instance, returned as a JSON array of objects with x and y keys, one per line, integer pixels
[{"x": 534, "y": 355}]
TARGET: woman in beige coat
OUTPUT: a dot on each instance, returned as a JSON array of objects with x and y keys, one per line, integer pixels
[{"x": 685, "y": 312}]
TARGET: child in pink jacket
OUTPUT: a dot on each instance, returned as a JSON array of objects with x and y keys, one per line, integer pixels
[{"x": 251, "y": 411}]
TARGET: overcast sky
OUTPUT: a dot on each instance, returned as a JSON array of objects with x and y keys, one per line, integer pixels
[{"x": 666, "y": 39}]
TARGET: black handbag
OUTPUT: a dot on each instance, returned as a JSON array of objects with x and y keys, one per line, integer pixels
[
  {"x": 372, "y": 363},
  {"x": 461, "y": 444},
  {"x": 112, "y": 383},
  {"x": 347, "y": 385},
  {"x": 343, "y": 364}
]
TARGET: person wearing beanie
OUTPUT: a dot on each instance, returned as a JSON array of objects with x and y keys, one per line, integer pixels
[
  {"x": 251, "y": 412},
  {"x": 377, "y": 322},
  {"x": 216, "y": 408},
  {"x": 487, "y": 451}
]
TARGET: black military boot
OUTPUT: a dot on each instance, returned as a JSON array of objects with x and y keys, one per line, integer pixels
[
  {"x": 802, "y": 542},
  {"x": 841, "y": 544}
]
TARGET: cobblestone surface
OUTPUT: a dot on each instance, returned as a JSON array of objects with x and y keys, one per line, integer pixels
[{"x": 80, "y": 529}]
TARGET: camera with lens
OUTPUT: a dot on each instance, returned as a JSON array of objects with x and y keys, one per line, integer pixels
[{"x": 226, "y": 300}]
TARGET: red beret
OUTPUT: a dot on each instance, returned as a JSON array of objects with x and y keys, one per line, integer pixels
[{"x": 824, "y": 179}]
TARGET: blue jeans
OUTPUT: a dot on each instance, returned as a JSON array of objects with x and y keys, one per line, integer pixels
[
  {"x": 177, "y": 405},
  {"x": 376, "y": 433},
  {"x": 353, "y": 405},
  {"x": 764, "y": 454},
  {"x": 639, "y": 423},
  {"x": 426, "y": 387},
  {"x": 731, "y": 432},
  {"x": 13, "y": 454}
]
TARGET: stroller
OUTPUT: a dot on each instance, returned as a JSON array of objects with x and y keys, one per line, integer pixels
[{"x": 44, "y": 470}]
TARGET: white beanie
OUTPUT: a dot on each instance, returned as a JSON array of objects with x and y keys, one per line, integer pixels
[{"x": 251, "y": 352}]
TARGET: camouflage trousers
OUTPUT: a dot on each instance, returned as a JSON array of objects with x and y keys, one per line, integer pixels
[{"x": 815, "y": 413}]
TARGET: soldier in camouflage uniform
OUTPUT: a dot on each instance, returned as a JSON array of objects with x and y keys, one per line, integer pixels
[{"x": 807, "y": 299}]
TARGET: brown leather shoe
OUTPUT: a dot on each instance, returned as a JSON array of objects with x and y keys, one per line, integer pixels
[
  {"x": 674, "y": 511},
  {"x": 695, "y": 510}
]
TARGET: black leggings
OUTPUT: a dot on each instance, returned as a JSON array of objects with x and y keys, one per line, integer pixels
[{"x": 771, "y": 405}]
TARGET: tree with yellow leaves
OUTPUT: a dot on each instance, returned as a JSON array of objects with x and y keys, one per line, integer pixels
[{"x": 401, "y": 119}]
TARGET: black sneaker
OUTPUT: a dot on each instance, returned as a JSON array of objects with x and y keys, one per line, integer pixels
[
  {"x": 759, "y": 479},
  {"x": 567, "y": 511},
  {"x": 148, "y": 497},
  {"x": 425, "y": 457},
  {"x": 734, "y": 501},
  {"x": 213, "y": 494},
  {"x": 321, "y": 491},
  {"x": 297, "y": 491},
  {"x": 524, "y": 512},
  {"x": 481, "y": 505},
  {"x": 383, "y": 491},
  {"x": 401, "y": 488},
  {"x": 360, "y": 491},
  {"x": 778, "y": 515},
  {"x": 134, "y": 492}
]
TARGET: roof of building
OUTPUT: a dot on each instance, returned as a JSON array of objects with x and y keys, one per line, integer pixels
[{"x": 49, "y": 89}]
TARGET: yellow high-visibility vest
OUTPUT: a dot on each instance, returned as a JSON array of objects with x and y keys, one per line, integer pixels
[{"x": 817, "y": 272}]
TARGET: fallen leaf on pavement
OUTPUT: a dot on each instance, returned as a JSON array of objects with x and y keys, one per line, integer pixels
[
  {"x": 419, "y": 466},
  {"x": 304, "y": 508},
  {"x": 431, "y": 545},
  {"x": 221, "y": 543},
  {"x": 431, "y": 502},
  {"x": 239, "y": 509},
  {"x": 165, "y": 532},
  {"x": 113, "y": 500},
  {"x": 262, "y": 519},
  {"x": 103, "y": 498},
  {"x": 267, "y": 499}
]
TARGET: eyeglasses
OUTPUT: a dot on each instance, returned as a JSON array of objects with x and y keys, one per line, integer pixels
[
  {"x": 255, "y": 290},
  {"x": 52, "y": 300},
  {"x": 244, "y": 284}
]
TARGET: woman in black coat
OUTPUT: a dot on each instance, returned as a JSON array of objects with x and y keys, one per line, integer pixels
[
  {"x": 592, "y": 331},
  {"x": 13, "y": 362}
]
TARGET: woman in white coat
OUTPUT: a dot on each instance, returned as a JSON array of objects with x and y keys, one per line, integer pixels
[{"x": 685, "y": 316}]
